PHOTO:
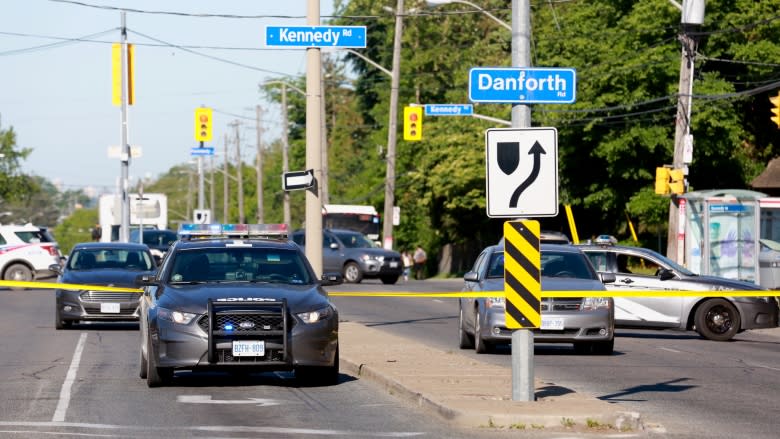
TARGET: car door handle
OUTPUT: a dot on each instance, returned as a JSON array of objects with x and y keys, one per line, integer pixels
[{"x": 627, "y": 280}]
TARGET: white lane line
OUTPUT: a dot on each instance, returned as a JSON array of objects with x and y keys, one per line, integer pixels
[
  {"x": 671, "y": 350},
  {"x": 62, "y": 404}
]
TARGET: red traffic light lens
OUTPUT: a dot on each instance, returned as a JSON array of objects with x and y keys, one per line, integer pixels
[{"x": 413, "y": 117}]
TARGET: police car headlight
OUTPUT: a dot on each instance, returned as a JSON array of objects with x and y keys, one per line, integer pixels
[
  {"x": 179, "y": 317},
  {"x": 594, "y": 303},
  {"x": 316, "y": 316}
]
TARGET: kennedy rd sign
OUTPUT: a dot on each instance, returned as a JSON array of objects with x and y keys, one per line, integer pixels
[
  {"x": 316, "y": 36},
  {"x": 522, "y": 85}
]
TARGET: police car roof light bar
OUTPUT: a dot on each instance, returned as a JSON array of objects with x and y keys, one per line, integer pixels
[{"x": 193, "y": 231}]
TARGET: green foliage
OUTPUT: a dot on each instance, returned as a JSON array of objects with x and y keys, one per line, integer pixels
[
  {"x": 75, "y": 229},
  {"x": 13, "y": 184}
]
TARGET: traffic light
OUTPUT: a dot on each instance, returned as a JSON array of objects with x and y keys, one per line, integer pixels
[
  {"x": 203, "y": 124},
  {"x": 775, "y": 100},
  {"x": 677, "y": 183},
  {"x": 413, "y": 123},
  {"x": 662, "y": 181}
]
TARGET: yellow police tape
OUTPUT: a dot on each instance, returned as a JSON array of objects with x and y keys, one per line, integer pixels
[{"x": 447, "y": 295}]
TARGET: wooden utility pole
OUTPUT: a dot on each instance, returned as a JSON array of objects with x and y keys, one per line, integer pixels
[
  {"x": 239, "y": 164},
  {"x": 260, "y": 207}
]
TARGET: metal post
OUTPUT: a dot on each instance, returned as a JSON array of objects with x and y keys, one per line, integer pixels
[
  {"x": 201, "y": 186},
  {"x": 324, "y": 196},
  {"x": 141, "y": 213},
  {"x": 211, "y": 189},
  {"x": 522, "y": 339},
  {"x": 392, "y": 133},
  {"x": 239, "y": 175},
  {"x": 285, "y": 159},
  {"x": 313, "y": 145},
  {"x": 260, "y": 207},
  {"x": 124, "y": 228}
]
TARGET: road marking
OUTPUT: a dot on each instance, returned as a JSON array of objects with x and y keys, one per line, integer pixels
[
  {"x": 208, "y": 428},
  {"x": 206, "y": 399},
  {"x": 671, "y": 350},
  {"x": 62, "y": 404}
]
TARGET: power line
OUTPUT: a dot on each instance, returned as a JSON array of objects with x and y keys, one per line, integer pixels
[{"x": 63, "y": 42}]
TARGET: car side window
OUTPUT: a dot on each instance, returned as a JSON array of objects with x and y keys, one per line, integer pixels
[
  {"x": 599, "y": 260},
  {"x": 327, "y": 240},
  {"x": 479, "y": 263},
  {"x": 632, "y": 264},
  {"x": 299, "y": 238}
]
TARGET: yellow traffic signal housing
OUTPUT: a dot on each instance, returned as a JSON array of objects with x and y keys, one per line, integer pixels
[
  {"x": 677, "y": 184},
  {"x": 775, "y": 100},
  {"x": 661, "y": 181},
  {"x": 203, "y": 122},
  {"x": 413, "y": 123}
]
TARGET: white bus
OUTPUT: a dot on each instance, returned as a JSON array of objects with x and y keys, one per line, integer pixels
[
  {"x": 151, "y": 212},
  {"x": 363, "y": 219}
]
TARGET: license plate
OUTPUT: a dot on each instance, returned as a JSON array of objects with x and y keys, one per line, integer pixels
[
  {"x": 393, "y": 264},
  {"x": 552, "y": 324},
  {"x": 248, "y": 348},
  {"x": 112, "y": 308}
]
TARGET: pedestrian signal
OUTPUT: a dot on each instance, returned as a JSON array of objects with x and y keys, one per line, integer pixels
[
  {"x": 413, "y": 123},
  {"x": 677, "y": 183},
  {"x": 203, "y": 124}
]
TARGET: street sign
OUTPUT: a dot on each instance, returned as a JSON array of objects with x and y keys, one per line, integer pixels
[
  {"x": 522, "y": 85},
  {"x": 521, "y": 170},
  {"x": 202, "y": 151},
  {"x": 522, "y": 275},
  {"x": 298, "y": 180},
  {"x": 449, "y": 109},
  {"x": 316, "y": 36}
]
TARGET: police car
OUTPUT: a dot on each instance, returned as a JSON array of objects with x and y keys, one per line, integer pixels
[{"x": 237, "y": 297}]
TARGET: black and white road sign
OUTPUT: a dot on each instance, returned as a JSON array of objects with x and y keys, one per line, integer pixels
[
  {"x": 522, "y": 172},
  {"x": 298, "y": 180}
]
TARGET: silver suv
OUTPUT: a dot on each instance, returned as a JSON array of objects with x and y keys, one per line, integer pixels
[
  {"x": 354, "y": 255},
  {"x": 26, "y": 252},
  {"x": 714, "y": 318}
]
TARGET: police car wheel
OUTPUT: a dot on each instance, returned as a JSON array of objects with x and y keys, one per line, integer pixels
[
  {"x": 319, "y": 376},
  {"x": 718, "y": 320},
  {"x": 156, "y": 376}
]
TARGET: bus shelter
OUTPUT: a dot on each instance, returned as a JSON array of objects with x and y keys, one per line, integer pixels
[{"x": 722, "y": 231}]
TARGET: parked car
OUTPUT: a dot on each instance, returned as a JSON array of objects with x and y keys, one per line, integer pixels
[
  {"x": 586, "y": 322},
  {"x": 158, "y": 241},
  {"x": 354, "y": 255},
  {"x": 101, "y": 263},
  {"x": 26, "y": 252},
  {"x": 714, "y": 318}
]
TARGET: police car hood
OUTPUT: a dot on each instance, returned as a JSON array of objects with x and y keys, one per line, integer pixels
[
  {"x": 104, "y": 276},
  {"x": 194, "y": 298}
]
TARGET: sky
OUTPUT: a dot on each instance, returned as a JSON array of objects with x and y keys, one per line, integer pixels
[{"x": 56, "y": 92}]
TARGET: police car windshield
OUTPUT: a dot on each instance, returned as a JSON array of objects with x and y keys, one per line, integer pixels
[{"x": 238, "y": 264}]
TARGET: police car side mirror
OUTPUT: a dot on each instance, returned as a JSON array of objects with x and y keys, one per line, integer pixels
[
  {"x": 331, "y": 279},
  {"x": 665, "y": 274},
  {"x": 144, "y": 280},
  {"x": 607, "y": 278}
]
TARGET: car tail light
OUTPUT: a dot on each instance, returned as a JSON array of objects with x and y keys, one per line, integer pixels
[{"x": 54, "y": 251}]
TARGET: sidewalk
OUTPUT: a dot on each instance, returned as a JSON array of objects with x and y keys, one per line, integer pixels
[{"x": 469, "y": 392}]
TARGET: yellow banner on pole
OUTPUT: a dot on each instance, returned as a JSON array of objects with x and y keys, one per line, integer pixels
[{"x": 116, "y": 74}]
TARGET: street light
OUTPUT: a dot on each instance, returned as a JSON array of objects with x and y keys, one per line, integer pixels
[{"x": 434, "y": 3}]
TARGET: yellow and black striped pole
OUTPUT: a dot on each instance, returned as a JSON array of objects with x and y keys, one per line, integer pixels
[{"x": 522, "y": 277}]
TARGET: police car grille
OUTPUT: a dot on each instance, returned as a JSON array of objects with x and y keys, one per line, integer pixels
[
  {"x": 108, "y": 296},
  {"x": 244, "y": 322}
]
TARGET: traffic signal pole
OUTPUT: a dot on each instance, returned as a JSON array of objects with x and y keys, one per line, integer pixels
[
  {"x": 124, "y": 227},
  {"x": 313, "y": 144},
  {"x": 392, "y": 133}
]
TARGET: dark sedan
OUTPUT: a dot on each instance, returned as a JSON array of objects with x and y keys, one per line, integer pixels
[{"x": 105, "y": 264}]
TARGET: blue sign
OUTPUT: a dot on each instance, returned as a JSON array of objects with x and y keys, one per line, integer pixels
[
  {"x": 202, "y": 151},
  {"x": 316, "y": 36},
  {"x": 449, "y": 109},
  {"x": 522, "y": 85},
  {"x": 728, "y": 208}
]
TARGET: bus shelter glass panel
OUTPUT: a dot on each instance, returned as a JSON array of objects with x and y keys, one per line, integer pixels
[{"x": 731, "y": 240}]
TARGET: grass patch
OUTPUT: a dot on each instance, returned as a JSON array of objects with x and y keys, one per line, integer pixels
[{"x": 568, "y": 422}]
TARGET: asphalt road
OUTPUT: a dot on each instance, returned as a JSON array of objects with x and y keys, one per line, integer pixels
[
  {"x": 84, "y": 383},
  {"x": 690, "y": 386}
]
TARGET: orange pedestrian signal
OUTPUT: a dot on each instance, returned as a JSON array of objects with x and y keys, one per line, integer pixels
[
  {"x": 775, "y": 100},
  {"x": 413, "y": 123},
  {"x": 203, "y": 124}
]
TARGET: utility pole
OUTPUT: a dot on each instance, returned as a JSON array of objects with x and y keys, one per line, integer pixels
[
  {"x": 189, "y": 191},
  {"x": 324, "y": 196},
  {"x": 260, "y": 208},
  {"x": 211, "y": 190},
  {"x": 239, "y": 164},
  {"x": 124, "y": 227},
  {"x": 313, "y": 144},
  {"x": 225, "y": 184},
  {"x": 392, "y": 133},
  {"x": 691, "y": 19},
  {"x": 285, "y": 159}
]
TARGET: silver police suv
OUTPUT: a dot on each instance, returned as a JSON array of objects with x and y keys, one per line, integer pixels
[{"x": 714, "y": 318}]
